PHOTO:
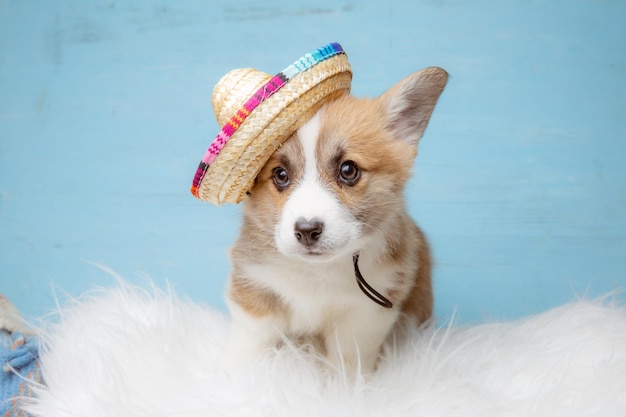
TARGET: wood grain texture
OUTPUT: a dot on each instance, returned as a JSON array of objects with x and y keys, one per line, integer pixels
[{"x": 105, "y": 112}]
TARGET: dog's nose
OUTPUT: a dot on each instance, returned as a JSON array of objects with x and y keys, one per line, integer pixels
[{"x": 308, "y": 232}]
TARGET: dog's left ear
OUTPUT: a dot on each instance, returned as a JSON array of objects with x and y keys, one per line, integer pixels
[{"x": 410, "y": 103}]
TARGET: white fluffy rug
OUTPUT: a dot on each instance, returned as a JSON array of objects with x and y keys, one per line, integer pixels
[{"x": 132, "y": 352}]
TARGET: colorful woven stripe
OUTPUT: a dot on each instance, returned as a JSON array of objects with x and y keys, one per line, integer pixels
[{"x": 273, "y": 85}]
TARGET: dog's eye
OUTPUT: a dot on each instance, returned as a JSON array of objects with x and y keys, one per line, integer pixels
[
  {"x": 349, "y": 173},
  {"x": 281, "y": 178}
]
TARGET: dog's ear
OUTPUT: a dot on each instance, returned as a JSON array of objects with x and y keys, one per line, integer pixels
[{"x": 410, "y": 103}]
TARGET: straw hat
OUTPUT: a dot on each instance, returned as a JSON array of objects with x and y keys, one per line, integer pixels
[{"x": 258, "y": 112}]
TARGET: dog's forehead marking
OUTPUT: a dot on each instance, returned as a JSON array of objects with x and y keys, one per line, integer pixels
[
  {"x": 309, "y": 198},
  {"x": 308, "y": 136}
]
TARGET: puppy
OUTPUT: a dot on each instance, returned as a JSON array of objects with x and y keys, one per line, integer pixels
[{"x": 327, "y": 252}]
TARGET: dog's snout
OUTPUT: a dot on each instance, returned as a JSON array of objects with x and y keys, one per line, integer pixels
[{"x": 308, "y": 232}]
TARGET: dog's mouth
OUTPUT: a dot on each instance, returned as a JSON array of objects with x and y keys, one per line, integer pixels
[
  {"x": 321, "y": 254},
  {"x": 312, "y": 255},
  {"x": 315, "y": 253},
  {"x": 323, "y": 251}
]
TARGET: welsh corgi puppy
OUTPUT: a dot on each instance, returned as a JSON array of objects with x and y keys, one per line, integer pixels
[{"x": 327, "y": 252}]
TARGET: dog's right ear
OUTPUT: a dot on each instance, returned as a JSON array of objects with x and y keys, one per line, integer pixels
[{"x": 410, "y": 103}]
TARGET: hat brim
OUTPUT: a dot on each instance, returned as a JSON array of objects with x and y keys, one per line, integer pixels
[{"x": 231, "y": 175}]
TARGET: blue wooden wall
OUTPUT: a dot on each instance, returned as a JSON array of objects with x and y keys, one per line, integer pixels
[{"x": 105, "y": 112}]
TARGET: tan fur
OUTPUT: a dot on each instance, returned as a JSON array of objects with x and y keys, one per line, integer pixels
[
  {"x": 418, "y": 305},
  {"x": 380, "y": 135},
  {"x": 357, "y": 126},
  {"x": 257, "y": 302}
]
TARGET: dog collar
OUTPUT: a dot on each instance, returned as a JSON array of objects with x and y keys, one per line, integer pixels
[{"x": 367, "y": 289}]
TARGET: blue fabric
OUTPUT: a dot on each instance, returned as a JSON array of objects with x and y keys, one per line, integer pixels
[{"x": 19, "y": 361}]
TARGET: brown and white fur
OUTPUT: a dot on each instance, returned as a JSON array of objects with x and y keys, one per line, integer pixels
[{"x": 336, "y": 187}]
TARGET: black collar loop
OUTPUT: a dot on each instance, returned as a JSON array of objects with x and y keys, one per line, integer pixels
[{"x": 367, "y": 289}]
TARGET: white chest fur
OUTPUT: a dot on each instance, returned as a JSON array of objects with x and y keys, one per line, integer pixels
[
  {"x": 323, "y": 302},
  {"x": 320, "y": 295}
]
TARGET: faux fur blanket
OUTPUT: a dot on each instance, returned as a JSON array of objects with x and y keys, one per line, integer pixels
[{"x": 134, "y": 352}]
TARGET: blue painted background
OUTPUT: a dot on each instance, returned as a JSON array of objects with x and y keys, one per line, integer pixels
[{"x": 105, "y": 112}]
